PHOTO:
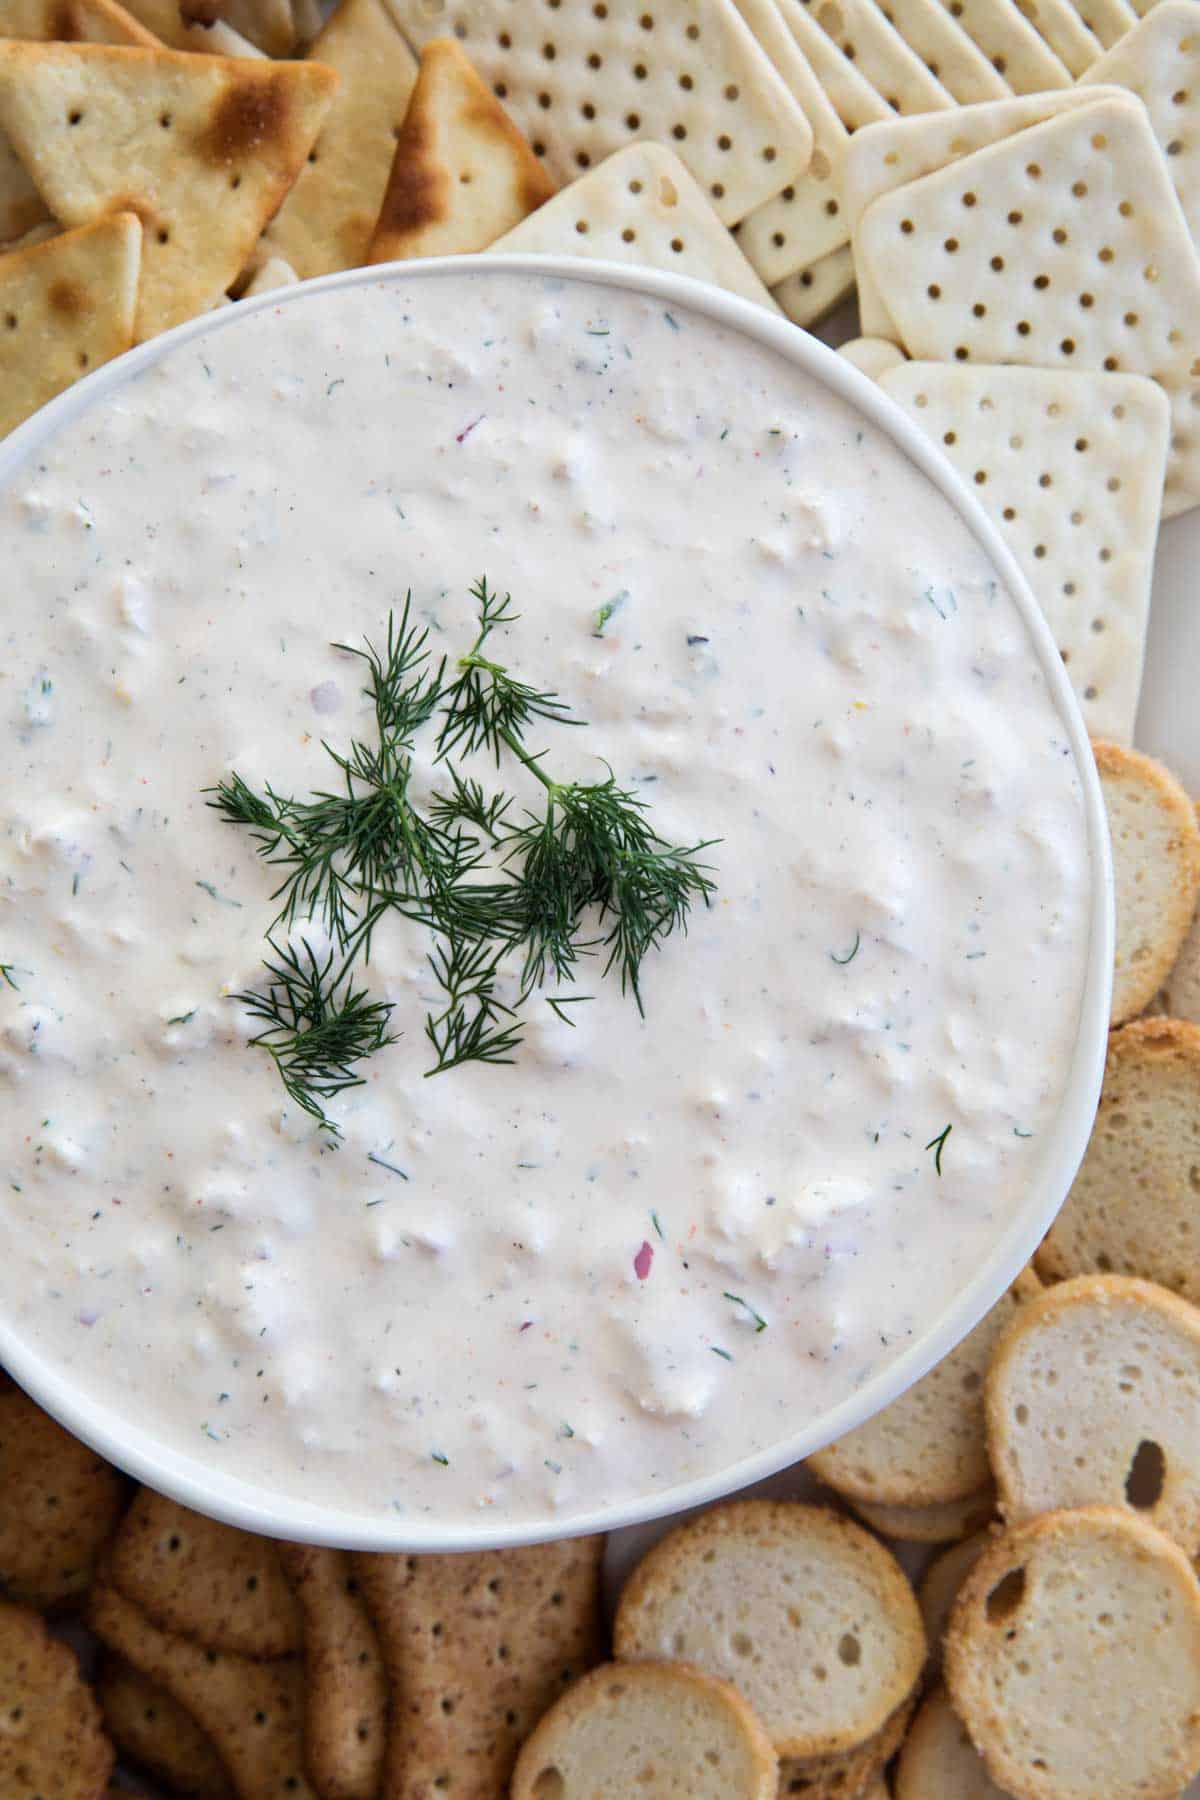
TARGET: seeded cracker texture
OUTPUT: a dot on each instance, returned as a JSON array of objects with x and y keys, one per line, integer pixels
[
  {"x": 476, "y": 1648},
  {"x": 1156, "y": 866},
  {"x": 1134, "y": 1207},
  {"x": 61, "y": 1502},
  {"x": 220, "y": 1587},
  {"x": 159, "y": 1735},
  {"x": 1102, "y": 1611},
  {"x": 346, "y": 1699},
  {"x": 810, "y": 1616},
  {"x": 51, "y": 1741},
  {"x": 659, "y": 1729}
]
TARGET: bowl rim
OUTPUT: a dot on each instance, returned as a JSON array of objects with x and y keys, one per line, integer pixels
[{"x": 255, "y": 1508}]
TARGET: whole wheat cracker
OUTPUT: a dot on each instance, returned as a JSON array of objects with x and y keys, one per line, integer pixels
[
  {"x": 327, "y": 220},
  {"x": 221, "y": 1587},
  {"x": 51, "y": 1741},
  {"x": 1181, "y": 990},
  {"x": 462, "y": 174},
  {"x": 1073, "y": 1659},
  {"x": 641, "y": 206},
  {"x": 810, "y": 295},
  {"x": 590, "y": 79},
  {"x": 662, "y": 1730},
  {"x": 1069, "y": 467},
  {"x": 476, "y": 1648},
  {"x": 203, "y": 149},
  {"x": 1133, "y": 1206},
  {"x": 151, "y": 1729},
  {"x": 939, "y": 1761},
  {"x": 1156, "y": 868},
  {"x": 880, "y": 54},
  {"x": 1064, "y": 246},
  {"x": 1093, "y": 1397},
  {"x": 346, "y": 1698},
  {"x": 872, "y": 356},
  {"x": 946, "y": 50},
  {"x": 852, "y": 1774},
  {"x": 252, "y": 1711},
  {"x": 944, "y": 1523},
  {"x": 61, "y": 1503},
  {"x": 811, "y": 1616},
  {"x": 1059, "y": 25},
  {"x": 939, "y": 1585},
  {"x": 68, "y": 304}
]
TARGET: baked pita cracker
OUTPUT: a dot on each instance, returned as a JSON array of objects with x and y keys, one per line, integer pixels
[
  {"x": 1064, "y": 246},
  {"x": 462, "y": 173},
  {"x": 641, "y": 206},
  {"x": 269, "y": 25},
  {"x": 812, "y": 294},
  {"x": 66, "y": 306},
  {"x": 328, "y": 220},
  {"x": 166, "y": 21},
  {"x": 583, "y": 80},
  {"x": 1069, "y": 467},
  {"x": 886, "y": 156},
  {"x": 203, "y": 149},
  {"x": 1160, "y": 62}
]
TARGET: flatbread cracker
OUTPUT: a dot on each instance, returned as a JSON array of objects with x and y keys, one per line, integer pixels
[
  {"x": 1063, "y": 246},
  {"x": 462, "y": 174},
  {"x": 880, "y": 54},
  {"x": 203, "y": 149},
  {"x": 61, "y": 1502},
  {"x": 887, "y": 156},
  {"x": 477, "y": 1647},
  {"x": 67, "y": 305},
  {"x": 51, "y": 1742},
  {"x": 346, "y": 1697},
  {"x": 1011, "y": 44},
  {"x": 584, "y": 80},
  {"x": 1069, "y": 469},
  {"x": 946, "y": 50},
  {"x": 1160, "y": 63},
  {"x": 156, "y": 1733},
  {"x": 252, "y": 1712},
  {"x": 812, "y": 294},
  {"x": 192, "y": 1576},
  {"x": 641, "y": 206},
  {"x": 327, "y": 220}
]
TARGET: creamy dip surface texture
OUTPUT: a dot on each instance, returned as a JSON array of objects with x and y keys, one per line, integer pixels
[{"x": 652, "y": 1246}]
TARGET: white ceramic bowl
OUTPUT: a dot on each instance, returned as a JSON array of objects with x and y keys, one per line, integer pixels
[{"x": 199, "y": 1484}]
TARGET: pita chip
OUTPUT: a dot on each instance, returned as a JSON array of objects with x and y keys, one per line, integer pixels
[
  {"x": 66, "y": 306},
  {"x": 329, "y": 219},
  {"x": 203, "y": 149},
  {"x": 269, "y": 25},
  {"x": 462, "y": 175},
  {"x": 167, "y": 23}
]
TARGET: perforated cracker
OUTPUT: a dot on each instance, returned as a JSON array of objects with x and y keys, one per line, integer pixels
[
  {"x": 1107, "y": 20},
  {"x": 946, "y": 50},
  {"x": 1059, "y": 24},
  {"x": 1070, "y": 468},
  {"x": 877, "y": 50},
  {"x": 848, "y": 91},
  {"x": 582, "y": 80},
  {"x": 1185, "y": 446},
  {"x": 1063, "y": 247},
  {"x": 873, "y": 356},
  {"x": 641, "y": 206},
  {"x": 888, "y": 155},
  {"x": 1010, "y": 44},
  {"x": 810, "y": 295},
  {"x": 1160, "y": 62}
]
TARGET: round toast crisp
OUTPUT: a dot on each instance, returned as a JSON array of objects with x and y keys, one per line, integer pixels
[
  {"x": 659, "y": 1730},
  {"x": 809, "y": 1615},
  {"x": 928, "y": 1447},
  {"x": 944, "y": 1524},
  {"x": 1181, "y": 989},
  {"x": 1073, "y": 1659},
  {"x": 853, "y": 1773},
  {"x": 51, "y": 1740},
  {"x": 1093, "y": 1398},
  {"x": 1134, "y": 1208},
  {"x": 1156, "y": 867},
  {"x": 939, "y": 1761},
  {"x": 938, "y": 1589},
  {"x": 61, "y": 1504}
]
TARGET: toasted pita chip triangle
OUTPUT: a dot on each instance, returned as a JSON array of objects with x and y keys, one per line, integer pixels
[
  {"x": 66, "y": 306},
  {"x": 328, "y": 221},
  {"x": 165, "y": 20},
  {"x": 203, "y": 149},
  {"x": 268, "y": 24},
  {"x": 462, "y": 174}
]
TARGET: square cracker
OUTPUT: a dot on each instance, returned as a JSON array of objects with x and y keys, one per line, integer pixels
[
  {"x": 1069, "y": 467},
  {"x": 1107, "y": 20},
  {"x": 583, "y": 80},
  {"x": 68, "y": 305},
  {"x": 1063, "y": 247},
  {"x": 327, "y": 220},
  {"x": 1010, "y": 43},
  {"x": 641, "y": 206},
  {"x": 946, "y": 50},
  {"x": 1160, "y": 62},
  {"x": 202, "y": 148},
  {"x": 462, "y": 174},
  {"x": 886, "y": 156},
  {"x": 810, "y": 295},
  {"x": 880, "y": 54},
  {"x": 1059, "y": 24}
]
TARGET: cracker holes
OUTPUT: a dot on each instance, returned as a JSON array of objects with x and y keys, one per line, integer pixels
[
  {"x": 75, "y": 116},
  {"x": 1041, "y": 283},
  {"x": 164, "y": 120},
  {"x": 849, "y": 1650},
  {"x": 582, "y": 160},
  {"x": 548, "y": 1784},
  {"x": 11, "y": 321},
  {"x": 997, "y": 264},
  {"x": 724, "y": 142},
  {"x": 581, "y": 226},
  {"x": 1005, "y": 1599},
  {"x": 162, "y": 235},
  {"x": 633, "y": 121},
  {"x": 1147, "y": 1473},
  {"x": 639, "y": 71}
]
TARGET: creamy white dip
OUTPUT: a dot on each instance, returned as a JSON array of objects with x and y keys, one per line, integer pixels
[{"x": 809, "y": 658}]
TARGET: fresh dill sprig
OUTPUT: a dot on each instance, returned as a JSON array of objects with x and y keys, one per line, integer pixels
[
  {"x": 487, "y": 706},
  {"x": 7, "y": 971},
  {"x": 318, "y": 1027},
  {"x": 474, "y": 1025}
]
